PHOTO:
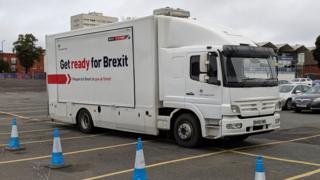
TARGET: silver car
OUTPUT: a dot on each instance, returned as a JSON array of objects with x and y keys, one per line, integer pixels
[{"x": 289, "y": 91}]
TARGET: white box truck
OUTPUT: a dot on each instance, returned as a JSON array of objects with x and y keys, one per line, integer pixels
[{"x": 162, "y": 73}]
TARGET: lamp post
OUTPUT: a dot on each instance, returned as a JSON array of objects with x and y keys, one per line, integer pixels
[
  {"x": 2, "y": 45},
  {"x": 2, "y": 48}
]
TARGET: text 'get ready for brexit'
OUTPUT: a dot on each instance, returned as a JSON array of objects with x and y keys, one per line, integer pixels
[{"x": 93, "y": 63}]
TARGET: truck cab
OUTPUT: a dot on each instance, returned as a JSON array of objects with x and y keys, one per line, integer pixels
[{"x": 232, "y": 90}]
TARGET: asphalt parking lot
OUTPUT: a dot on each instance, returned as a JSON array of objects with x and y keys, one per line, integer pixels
[{"x": 290, "y": 153}]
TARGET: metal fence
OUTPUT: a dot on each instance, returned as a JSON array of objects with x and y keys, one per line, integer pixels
[{"x": 22, "y": 76}]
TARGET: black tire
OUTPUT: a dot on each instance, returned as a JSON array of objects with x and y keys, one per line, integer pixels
[
  {"x": 239, "y": 138},
  {"x": 85, "y": 122},
  {"x": 288, "y": 104},
  {"x": 187, "y": 131}
]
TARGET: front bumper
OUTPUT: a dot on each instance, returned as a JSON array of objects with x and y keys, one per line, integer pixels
[
  {"x": 307, "y": 106},
  {"x": 249, "y": 125}
]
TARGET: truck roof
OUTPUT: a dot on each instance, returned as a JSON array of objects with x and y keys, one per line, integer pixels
[{"x": 175, "y": 32}]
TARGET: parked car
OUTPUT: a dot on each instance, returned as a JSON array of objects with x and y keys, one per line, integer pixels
[
  {"x": 306, "y": 81},
  {"x": 289, "y": 91},
  {"x": 283, "y": 82},
  {"x": 315, "y": 82},
  {"x": 310, "y": 100}
]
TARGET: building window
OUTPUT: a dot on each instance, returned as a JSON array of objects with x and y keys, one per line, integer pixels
[
  {"x": 13, "y": 60},
  {"x": 13, "y": 68}
]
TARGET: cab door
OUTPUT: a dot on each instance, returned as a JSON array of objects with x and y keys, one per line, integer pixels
[{"x": 203, "y": 83}]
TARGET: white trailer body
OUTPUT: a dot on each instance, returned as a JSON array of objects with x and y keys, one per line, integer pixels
[{"x": 138, "y": 76}]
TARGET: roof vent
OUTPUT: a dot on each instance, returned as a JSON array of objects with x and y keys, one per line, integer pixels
[{"x": 167, "y": 11}]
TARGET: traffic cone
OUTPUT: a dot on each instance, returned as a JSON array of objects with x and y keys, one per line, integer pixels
[
  {"x": 260, "y": 174},
  {"x": 57, "y": 160},
  {"x": 140, "y": 172},
  {"x": 14, "y": 143}
]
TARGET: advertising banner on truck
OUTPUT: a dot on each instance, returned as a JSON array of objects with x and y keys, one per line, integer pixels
[{"x": 96, "y": 68}]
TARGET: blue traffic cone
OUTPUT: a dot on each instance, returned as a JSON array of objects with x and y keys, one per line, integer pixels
[
  {"x": 260, "y": 174},
  {"x": 140, "y": 172},
  {"x": 57, "y": 160},
  {"x": 14, "y": 143}
]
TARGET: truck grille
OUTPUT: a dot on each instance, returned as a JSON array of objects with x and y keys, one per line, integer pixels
[{"x": 255, "y": 108}]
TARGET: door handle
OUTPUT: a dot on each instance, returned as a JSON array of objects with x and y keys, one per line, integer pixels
[{"x": 190, "y": 93}]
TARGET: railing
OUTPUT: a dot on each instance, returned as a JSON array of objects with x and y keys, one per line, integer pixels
[{"x": 22, "y": 76}]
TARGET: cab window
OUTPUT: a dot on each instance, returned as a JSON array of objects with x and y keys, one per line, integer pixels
[
  {"x": 212, "y": 69},
  {"x": 195, "y": 67}
]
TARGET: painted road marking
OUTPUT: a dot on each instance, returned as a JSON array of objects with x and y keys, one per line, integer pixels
[
  {"x": 304, "y": 175},
  {"x": 29, "y": 111},
  {"x": 70, "y": 153},
  {"x": 23, "y": 117},
  {"x": 187, "y": 158},
  {"x": 214, "y": 153},
  {"x": 36, "y": 130},
  {"x": 276, "y": 158},
  {"x": 16, "y": 115},
  {"x": 159, "y": 164},
  {"x": 62, "y": 139},
  {"x": 276, "y": 142}
]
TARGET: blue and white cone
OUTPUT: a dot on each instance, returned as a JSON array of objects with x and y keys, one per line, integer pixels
[
  {"x": 260, "y": 174},
  {"x": 14, "y": 144},
  {"x": 140, "y": 172},
  {"x": 57, "y": 160}
]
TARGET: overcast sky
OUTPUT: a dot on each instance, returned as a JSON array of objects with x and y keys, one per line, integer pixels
[{"x": 278, "y": 21}]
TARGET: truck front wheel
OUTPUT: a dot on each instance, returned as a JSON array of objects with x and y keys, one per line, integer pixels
[
  {"x": 85, "y": 121},
  {"x": 187, "y": 132}
]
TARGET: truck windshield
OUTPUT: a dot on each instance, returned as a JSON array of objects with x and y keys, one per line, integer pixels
[{"x": 249, "y": 72}]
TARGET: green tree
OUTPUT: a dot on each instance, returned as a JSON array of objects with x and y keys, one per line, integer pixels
[
  {"x": 4, "y": 66},
  {"x": 27, "y": 51},
  {"x": 316, "y": 52}
]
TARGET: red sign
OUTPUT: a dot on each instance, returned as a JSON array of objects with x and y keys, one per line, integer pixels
[{"x": 59, "y": 79}]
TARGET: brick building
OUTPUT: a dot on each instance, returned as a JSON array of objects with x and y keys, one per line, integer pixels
[
  {"x": 16, "y": 66},
  {"x": 296, "y": 58}
]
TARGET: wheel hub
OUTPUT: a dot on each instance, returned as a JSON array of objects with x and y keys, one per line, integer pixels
[
  {"x": 184, "y": 131},
  {"x": 85, "y": 121}
]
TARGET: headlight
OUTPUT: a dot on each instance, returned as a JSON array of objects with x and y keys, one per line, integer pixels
[
  {"x": 235, "y": 109},
  {"x": 316, "y": 100},
  {"x": 234, "y": 126}
]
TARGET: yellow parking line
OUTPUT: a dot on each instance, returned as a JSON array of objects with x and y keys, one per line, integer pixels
[
  {"x": 158, "y": 164},
  {"x": 276, "y": 158},
  {"x": 70, "y": 153},
  {"x": 219, "y": 152},
  {"x": 276, "y": 142},
  {"x": 62, "y": 139},
  {"x": 304, "y": 175},
  {"x": 35, "y": 130},
  {"x": 16, "y": 115}
]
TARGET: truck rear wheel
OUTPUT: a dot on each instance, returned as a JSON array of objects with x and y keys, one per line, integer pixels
[
  {"x": 187, "y": 132},
  {"x": 84, "y": 120}
]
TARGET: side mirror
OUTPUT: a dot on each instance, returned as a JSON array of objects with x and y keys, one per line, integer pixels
[
  {"x": 203, "y": 63},
  {"x": 203, "y": 77}
]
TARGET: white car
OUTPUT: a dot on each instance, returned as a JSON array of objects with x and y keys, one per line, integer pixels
[
  {"x": 289, "y": 91},
  {"x": 305, "y": 81}
]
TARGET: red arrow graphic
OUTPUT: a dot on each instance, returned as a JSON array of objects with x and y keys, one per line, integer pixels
[{"x": 59, "y": 79}]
